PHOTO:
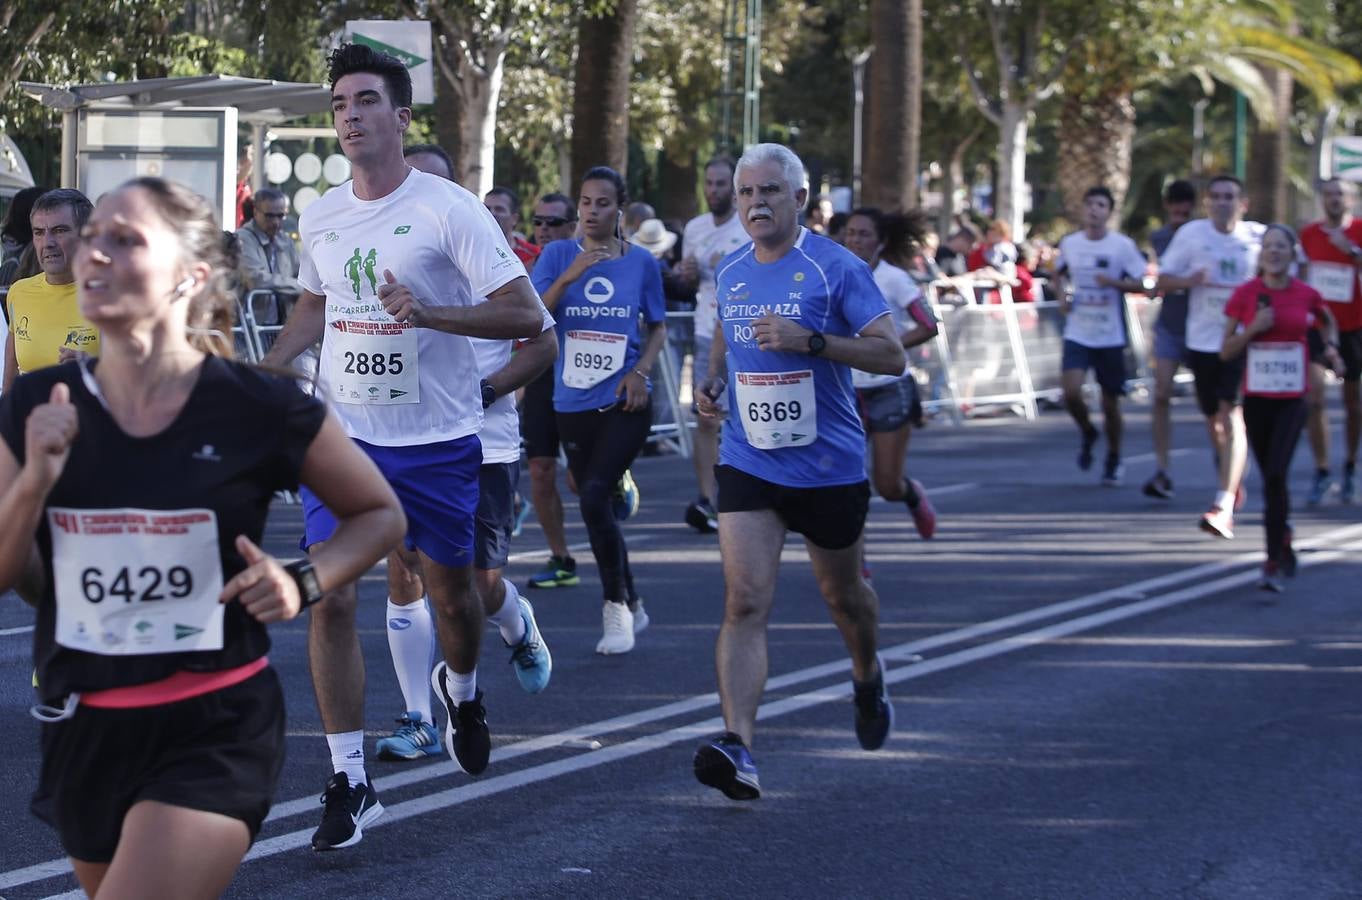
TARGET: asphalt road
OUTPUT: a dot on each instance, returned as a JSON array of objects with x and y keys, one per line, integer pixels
[{"x": 1093, "y": 701}]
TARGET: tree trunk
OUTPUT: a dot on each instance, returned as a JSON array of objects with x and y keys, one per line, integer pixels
[
  {"x": 600, "y": 95},
  {"x": 481, "y": 91},
  {"x": 951, "y": 182},
  {"x": 1096, "y": 149},
  {"x": 894, "y": 105},
  {"x": 676, "y": 180},
  {"x": 1009, "y": 202},
  {"x": 1270, "y": 154}
]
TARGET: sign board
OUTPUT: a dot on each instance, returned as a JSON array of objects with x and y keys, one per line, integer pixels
[
  {"x": 196, "y": 147},
  {"x": 407, "y": 40},
  {"x": 1345, "y": 158}
]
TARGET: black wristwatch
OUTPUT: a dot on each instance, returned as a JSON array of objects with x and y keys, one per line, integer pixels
[
  {"x": 489, "y": 394},
  {"x": 817, "y": 343},
  {"x": 309, "y": 588}
]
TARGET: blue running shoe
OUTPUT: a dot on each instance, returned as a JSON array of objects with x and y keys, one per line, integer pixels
[
  {"x": 531, "y": 658},
  {"x": 625, "y": 498},
  {"x": 1319, "y": 488},
  {"x": 413, "y": 739},
  {"x": 725, "y": 763},
  {"x": 522, "y": 512}
]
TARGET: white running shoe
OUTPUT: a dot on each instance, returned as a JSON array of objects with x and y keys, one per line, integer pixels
[
  {"x": 641, "y": 619},
  {"x": 617, "y": 625}
]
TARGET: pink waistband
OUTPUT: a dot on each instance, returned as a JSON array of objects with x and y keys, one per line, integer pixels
[{"x": 180, "y": 686}]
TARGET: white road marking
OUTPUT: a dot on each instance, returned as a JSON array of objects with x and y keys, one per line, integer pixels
[
  {"x": 1151, "y": 457},
  {"x": 933, "y": 491},
  {"x": 1311, "y": 555},
  {"x": 22, "y": 629}
]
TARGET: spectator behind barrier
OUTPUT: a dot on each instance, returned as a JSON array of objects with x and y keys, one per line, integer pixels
[
  {"x": 16, "y": 237},
  {"x": 269, "y": 258}
]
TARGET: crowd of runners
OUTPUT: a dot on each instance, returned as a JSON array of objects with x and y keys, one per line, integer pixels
[{"x": 163, "y": 721}]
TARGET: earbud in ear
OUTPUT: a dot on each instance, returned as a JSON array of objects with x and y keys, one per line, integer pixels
[{"x": 184, "y": 286}]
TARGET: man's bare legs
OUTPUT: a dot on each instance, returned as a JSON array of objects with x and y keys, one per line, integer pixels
[{"x": 548, "y": 505}]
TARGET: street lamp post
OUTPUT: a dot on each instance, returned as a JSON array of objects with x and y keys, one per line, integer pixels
[{"x": 858, "y": 94}]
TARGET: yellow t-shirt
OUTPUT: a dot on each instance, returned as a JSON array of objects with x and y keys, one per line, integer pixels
[{"x": 44, "y": 318}]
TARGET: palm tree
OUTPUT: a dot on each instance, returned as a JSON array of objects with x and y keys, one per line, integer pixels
[
  {"x": 892, "y": 149},
  {"x": 1240, "y": 44},
  {"x": 600, "y": 95}
]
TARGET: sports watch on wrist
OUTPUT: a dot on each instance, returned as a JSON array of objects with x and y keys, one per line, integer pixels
[
  {"x": 817, "y": 343},
  {"x": 303, "y": 575},
  {"x": 489, "y": 394}
]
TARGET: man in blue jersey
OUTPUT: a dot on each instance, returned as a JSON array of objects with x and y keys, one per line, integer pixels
[{"x": 798, "y": 312}]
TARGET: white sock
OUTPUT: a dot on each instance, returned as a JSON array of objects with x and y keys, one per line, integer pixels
[
  {"x": 411, "y": 641},
  {"x": 347, "y": 755},
  {"x": 508, "y": 619},
  {"x": 1225, "y": 500},
  {"x": 461, "y": 687}
]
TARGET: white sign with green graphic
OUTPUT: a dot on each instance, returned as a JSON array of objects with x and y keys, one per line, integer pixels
[
  {"x": 407, "y": 40},
  {"x": 1345, "y": 158}
]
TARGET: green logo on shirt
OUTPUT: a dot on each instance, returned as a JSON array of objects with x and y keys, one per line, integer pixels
[
  {"x": 365, "y": 264},
  {"x": 401, "y": 229},
  {"x": 1229, "y": 270}
]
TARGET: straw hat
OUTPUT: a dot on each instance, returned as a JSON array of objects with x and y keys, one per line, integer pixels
[{"x": 654, "y": 237}]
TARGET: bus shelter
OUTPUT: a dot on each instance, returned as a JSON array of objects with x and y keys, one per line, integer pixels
[{"x": 179, "y": 128}]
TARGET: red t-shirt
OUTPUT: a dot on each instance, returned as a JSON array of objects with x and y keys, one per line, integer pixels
[
  {"x": 1330, "y": 278},
  {"x": 526, "y": 251},
  {"x": 1277, "y": 358}
]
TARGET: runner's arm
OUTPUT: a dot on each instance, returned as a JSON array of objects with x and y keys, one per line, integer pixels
[
  {"x": 526, "y": 364},
  {"x": 876, "y": 348},
  {"x": 371, "y": 521},
  {"x": 21, "y": 506},
  {"x": 11, "y": 365},
  {"x": 1179, "y": 282},
  {"x": 512, "y": 312},
  {"x": 303, "y": 329}
]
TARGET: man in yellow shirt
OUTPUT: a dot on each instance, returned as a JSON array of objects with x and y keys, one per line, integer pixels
[{"x": 45, "y": 323}]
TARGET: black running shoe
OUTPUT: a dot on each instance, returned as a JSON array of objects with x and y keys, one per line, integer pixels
[
  {"x": 1160, "y": 486},
  {"x": 701, "y": 516},
  {"x": 466, "y": 736},
  {"x": 1085, "y": 450},
  {"x": 346, "y": 811},
  {"x": 874, "y": 711},
  {"x": 725, "y": 763}
]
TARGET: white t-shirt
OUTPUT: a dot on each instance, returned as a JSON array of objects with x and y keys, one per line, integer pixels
[
  {"x": 500, "y": 435},
  {"x": 901, "y": 291},
  {"x": 389, "y": 383},
  {"x": 708, "y": 244},
  {"x": 1097, "y": 317},
  {"x": 1228, "y": 260}
]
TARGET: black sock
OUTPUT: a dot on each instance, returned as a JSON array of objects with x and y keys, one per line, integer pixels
[
  {"x": 1349, "y": 467},
  {"x": 909, "y": 495},
  {"x": 1321, "y": 473}
]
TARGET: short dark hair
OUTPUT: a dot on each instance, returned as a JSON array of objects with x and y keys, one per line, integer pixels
[
  {"x": 348, "y": 59},
  {"x": 81, "y": 207},
  {"x": 872, "y": 213},
  {"x": 269, "y": 193},
  {"x": 557, "y": 197},
  {"x": 723, "y": 159},
  {"x": 434, "y": 150},
  {"x": 605, "y": 173},
  {"x": 1100, "y": 191},
  {"x": 1180, "y": 191},
  {"x": 1226, "y": 177},
  {"x": 510, "y": 195}
]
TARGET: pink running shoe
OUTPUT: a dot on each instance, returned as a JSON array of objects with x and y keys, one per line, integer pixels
[{"x": 924, "y": 514}]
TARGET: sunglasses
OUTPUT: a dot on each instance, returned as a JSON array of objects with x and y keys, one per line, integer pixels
[{"x": 551, "y": 221}]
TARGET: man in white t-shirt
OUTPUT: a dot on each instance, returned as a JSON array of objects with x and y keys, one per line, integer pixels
[
  {"x": 705, "y": 241},
  {"x": 1096, "y": 268},
  {"x": 1211, "y": 257},
  {"x": 394, "y": 271}
]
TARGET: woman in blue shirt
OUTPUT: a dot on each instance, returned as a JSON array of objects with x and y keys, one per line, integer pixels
[{"x": 597, "y": 286}]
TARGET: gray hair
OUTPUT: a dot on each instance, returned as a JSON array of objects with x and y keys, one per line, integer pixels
[
  {"x": 791, "y": 168},
  {"x": 81, "y": 207}
]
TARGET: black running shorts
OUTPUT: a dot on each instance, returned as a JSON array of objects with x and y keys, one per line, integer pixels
[
  {"x": 538, "y": 422},
  {"x": 831, "y": 517},
  {"x": 219, "y": 752},
  {"x": 1217, "y": 381}
]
